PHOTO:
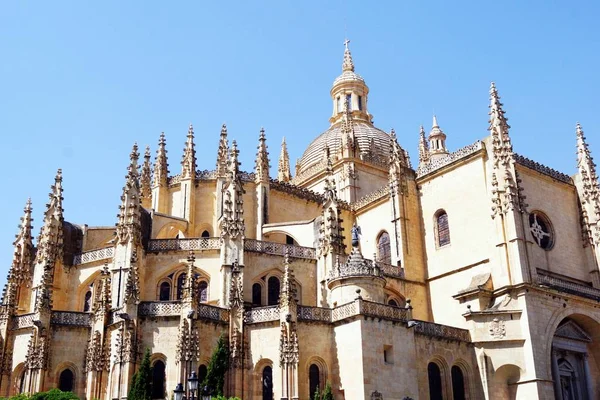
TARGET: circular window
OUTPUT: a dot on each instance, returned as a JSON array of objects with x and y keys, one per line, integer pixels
[{"x": 541, "y": 230}]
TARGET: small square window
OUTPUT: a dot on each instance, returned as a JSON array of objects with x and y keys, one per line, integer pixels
[{"x": 388, "y": 354}]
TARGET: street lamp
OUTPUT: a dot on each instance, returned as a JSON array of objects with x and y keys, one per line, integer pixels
[
  {"x": 205, "y": 393},
  {"x": 178, "y": 392},
  {"x": 193, "y": 384}
]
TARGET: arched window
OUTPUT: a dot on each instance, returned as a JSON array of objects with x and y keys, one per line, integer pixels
[
  {"x": 180, "y": 285},
  {"x": 203, "y": 291},
  {"x": 65, "y": 380},
  {"x": 442, "y": 229},
  {"x": 458, "y": 383},
  {"x": 256, "y": 294},
  {"x": 313, "y": 380},
  {"x": 22, "y": 381},
  {"x": 158, "y": 380},
  {"x": 267, "y": 383},
  {"x": 435, "y": 381},
  {"x": 205, "y": 234},
  {"x": 384, "y": 250},
  {"x": 164, "y": 292},
  {"x": 392, "y": 302},
  {"x": 87, "y": 302},
  {"x": 202, "y": 372},
  {"x": 273, "y": 291}
]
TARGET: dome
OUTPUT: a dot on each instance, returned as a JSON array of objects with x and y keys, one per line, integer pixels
[
  {"x": 365, "y": 134},
  {"x": 348, "y": 76}
]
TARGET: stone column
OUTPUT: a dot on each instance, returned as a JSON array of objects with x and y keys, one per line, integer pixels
[{"x": 588, "y": 377}]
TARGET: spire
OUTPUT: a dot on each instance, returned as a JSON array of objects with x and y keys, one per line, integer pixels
[
  {"x": 423, "y": 147},
  {"x": 50, "y": 241},
  {"x": 283, "y": 172},
  {"x": 587, "y": 169},
  {"x": 262, "y": 159},
  {"x": 348, "y": 64},
  {"x": 233, "y": 165},
  {"x": 437, "y": 140},
  {"x": 189, "y": 156},
  {"x": 232, "y": 221},
  {"x": 397, "y": 163},
  {"x": 128, "y": 225},
  {"x": 161, "y": 167},
  {"x": 146, "y": 180},
  {"x": 501, "y": 144},
  {"x": 222, "y": 153},
  {"x": 288, "y": 286},
  {"x": 132, "y": 285},
  {"x": 20, "y": 269}
]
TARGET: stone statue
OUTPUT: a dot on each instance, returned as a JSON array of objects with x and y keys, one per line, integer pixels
[{"x": 355, "y": 235}]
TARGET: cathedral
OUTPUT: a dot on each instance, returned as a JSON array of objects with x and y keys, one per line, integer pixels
[{"x": 473, "y": 274}]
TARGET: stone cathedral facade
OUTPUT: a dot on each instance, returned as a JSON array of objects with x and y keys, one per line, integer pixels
[{"x": 472, "y": 275}]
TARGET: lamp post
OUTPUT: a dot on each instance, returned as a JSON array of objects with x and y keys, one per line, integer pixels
[
  {"x": 193, "y": 384},
  {"x": 178, "y": 392}
]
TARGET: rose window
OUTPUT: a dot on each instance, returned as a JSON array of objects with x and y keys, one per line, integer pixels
[{"x": 541, "y": 230}]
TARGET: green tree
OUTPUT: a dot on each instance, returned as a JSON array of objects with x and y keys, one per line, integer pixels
[
  {"x": 217, "y": 367},
  {"x": 317, "y": 395},
  {"x": 327, "y": 393},
  {"x": 54, "y": 394},
  {"x": 141, "y": 384}
]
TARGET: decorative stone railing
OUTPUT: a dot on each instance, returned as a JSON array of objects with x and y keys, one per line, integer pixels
[
  {"x": 159, "y": 308},
  {"x": 280, "y": 249},
  {"x": 431, "y": 166},
  {"x": 566, "y": 286},
  {"x": 391, "y": 270},
  {"x": 22, "y": 321},
  {"x": 314, "y": 314},
  {"x": 160, "y": 245},
  {"x": 262, "y": 314},
  {"x": 380, "y": 193},
  {"x": 93, "y": 255},
  {"x": 442, "y": 331},
  {"x": 542, "y": 169},
  {"x": 71, "y": 318},
  {"x": 212, "y": 313}
]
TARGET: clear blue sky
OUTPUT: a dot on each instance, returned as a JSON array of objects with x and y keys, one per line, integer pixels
[{"x": 81, "y": 81}]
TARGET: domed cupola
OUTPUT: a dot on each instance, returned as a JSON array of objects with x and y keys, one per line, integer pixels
[{"x": 349, "y": 88}]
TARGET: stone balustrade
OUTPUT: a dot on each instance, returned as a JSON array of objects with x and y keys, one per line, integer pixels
[
  {"x": 314, "y": 314},
  {"x": 71, "y": 318},
  {"x": 94, "y": 255},
  {"x": 191, "y": 244},
  {"x": 262, "y": 314},
  {"x": 22, "y": 321},
  {"x": 567, "y": 286},
  {"x": 212, "y": 313},
  {"x": 159, "y": 308},
  {"x": 391, "y": 270},
  {"x": 280, "y": 249},
  {"x": 442, "y": 331}
]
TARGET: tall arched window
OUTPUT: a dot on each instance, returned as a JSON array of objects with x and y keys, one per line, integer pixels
[
  {"x": 267, "y": 383},
  {"x": 256, "y": 294},
  {"x": 205, "y": 234},
  {"x": 158, "y": 380},
  {"x": 273, "y": 291},
  {"x": 384, "y": 250},
  {"x": 22, "y": 381},
  {"x": 313, "y": 380},
  {"x": 65, "y": 380},
  {"x": 164, "y": 292},
  {"x": 203, "y": 291},
  {"x": 458, "y": 383},
  {"x": 180, "y": 285},
  {"x": 87, "y": 302},
  {"x": 442, "y": 229},
  {"x": 202, "y": 372},
  {"x": 435, "y": 381}
]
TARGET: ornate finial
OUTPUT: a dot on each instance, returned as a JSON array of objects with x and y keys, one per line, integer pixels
[
  {"x": 502, "y": 146},
  {"x": 437, "y": 140},
  {"x": 222, "y": 153},
  {"x": 188, "y": 161},
  {"x": 348, "y": 64},
  {"x": 261, "y": 165},
  {"x": 50, "y": 240},
  {"x": 587, "y": 170},
  {"x": 283, "y": 171},
  {"x": 146, "y": 180},
  {"x": 423, "y": 147},
  {"x": 161, "y": 167},
  {"x": 128, "y": 224}
]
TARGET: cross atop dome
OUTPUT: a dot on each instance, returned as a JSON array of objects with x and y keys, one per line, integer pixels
[{"x": 348, "y": 64}]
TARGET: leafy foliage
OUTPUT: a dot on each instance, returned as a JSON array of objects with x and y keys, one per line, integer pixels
[
  {"x": 141, "y": 384},
  {"x": 217, "y": 367},
  {"x": 327, "y": 393},
  {"x": 53, "y": 394}
]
